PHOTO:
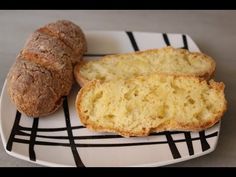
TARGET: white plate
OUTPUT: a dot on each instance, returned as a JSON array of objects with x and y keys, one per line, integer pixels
[{"x": 60, "y": 140}]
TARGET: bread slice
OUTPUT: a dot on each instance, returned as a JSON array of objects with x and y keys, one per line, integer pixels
[
  {"x": 151, "y": 103},
  {"x": 165, "y": 60}
]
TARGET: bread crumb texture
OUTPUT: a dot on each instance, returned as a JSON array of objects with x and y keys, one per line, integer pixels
[
  {"x": 151, "y": 103},
  {"x": 165, "y": 60}
]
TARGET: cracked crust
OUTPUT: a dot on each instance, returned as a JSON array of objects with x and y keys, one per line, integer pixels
[
  {"x": 171, "y": 125},
  {"x": 43, "y": 72},
  {"x": 35, "y": 90},
  {"x": 70, "y": 34},
  {"x": 47, "y": 51}
]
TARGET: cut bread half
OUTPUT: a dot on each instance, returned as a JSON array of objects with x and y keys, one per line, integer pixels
[
  {"x": 166, "y": 60},
  {"x": 151, "y": 103}
]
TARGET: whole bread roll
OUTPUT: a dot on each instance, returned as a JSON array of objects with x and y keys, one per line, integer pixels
[{"x": 42, "y": 74}]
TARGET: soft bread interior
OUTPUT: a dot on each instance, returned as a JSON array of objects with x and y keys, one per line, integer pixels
[
  {"x": 166, "y": 60},
  {"x": 138, "y": 106}
]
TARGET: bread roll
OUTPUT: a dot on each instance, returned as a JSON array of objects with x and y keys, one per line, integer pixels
[
  {"x": 151, "y": 103},
  {"x": 43, "y": 72},
  {"x": 35, "y": 90}
]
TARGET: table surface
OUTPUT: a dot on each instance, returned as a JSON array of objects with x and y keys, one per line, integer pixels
[{"x": 213, "y": 31}]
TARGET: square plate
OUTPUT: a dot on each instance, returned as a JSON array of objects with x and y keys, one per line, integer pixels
[{"x": 61, "y": 140}]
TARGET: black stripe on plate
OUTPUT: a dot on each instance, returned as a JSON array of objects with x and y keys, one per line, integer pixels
[
  {"x": 185, "y": 42},
  {"x": 14, "y": 131},
  {"x": 32, "y": 155},
  {"x": 189, "y": 143},
  {"x": 166, "y": 39},
  {"x": 75, "y": 137},
  {"x": 132, "y": 40},
  {"x": 90, "y": 136},
  {"x": 110, "y": 145},
  {"x": 173, "y": 148},
  {"x": 50, "y": 129},
  {"x": 75, "y": 153},
  {"x": 204, "y": 143}
]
